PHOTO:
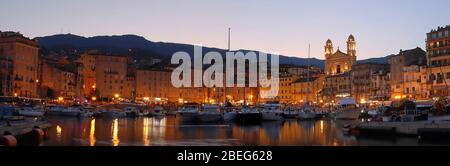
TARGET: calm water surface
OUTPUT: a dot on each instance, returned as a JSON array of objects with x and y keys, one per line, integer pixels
[{"x": 170, "y": 131}]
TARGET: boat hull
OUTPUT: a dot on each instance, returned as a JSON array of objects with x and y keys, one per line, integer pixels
[
  {"x": 188, "y": 116},
  {"x": 31, "y": 113},
  {"x": 290, "y": 115},
  {"x": 307, "y": 115},
  {"x": 209, "y": 117},
  {"x": 347, "y": 115},
  {"x": 272, "y": 116},
  {"x": 249, "y": 117}
]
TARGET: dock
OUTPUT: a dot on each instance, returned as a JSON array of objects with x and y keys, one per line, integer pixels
[
  {"x": 405, "y": 128},
  {"x": 18, "y": 128}
]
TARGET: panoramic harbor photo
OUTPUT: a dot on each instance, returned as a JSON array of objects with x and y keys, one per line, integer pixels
[{"x": 224, "y": 73}]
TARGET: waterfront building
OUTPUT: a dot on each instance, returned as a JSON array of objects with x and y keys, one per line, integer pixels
[
  {"x": 415, "y": 84},
  {"x": 362, "y": 86},
  {"x": 107, "y": 76},
  {"x": 405, "y": 58},
  {"x": 24, "y": 54},
  {"x": 6, "y": 73},
  {"x": 59, "y": 80},
  {"x": 380, "y": 85},
  {"x": 286, "y": 90},
  {"x": 438, "y": 57},
  {"x": 154, "y": 86},
  {"x": 308, "y": 89}
]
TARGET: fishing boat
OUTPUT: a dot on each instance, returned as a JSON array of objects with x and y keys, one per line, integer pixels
[
  {"x": 189, "y": 112},
  {"x": 210, "y": 113},
  {"x": 272, "y": 112}
]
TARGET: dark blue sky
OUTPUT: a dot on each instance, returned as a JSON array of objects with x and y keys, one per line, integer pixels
[{"x": 380, "y": 27}]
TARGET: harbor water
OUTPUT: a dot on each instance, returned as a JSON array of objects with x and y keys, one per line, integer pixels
[{"x": 170, "y": 131}]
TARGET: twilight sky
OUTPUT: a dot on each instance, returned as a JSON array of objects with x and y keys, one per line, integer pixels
[{"x": 380, "y": 27}]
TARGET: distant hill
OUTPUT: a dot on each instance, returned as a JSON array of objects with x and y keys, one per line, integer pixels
[{"x": 141, "y": 48}]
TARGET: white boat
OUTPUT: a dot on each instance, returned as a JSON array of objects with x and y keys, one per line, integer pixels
[
  {"x": 189, "y": 112},
  {"x": 64, "y": 111},
  {"x": 31, "y": 111},
  {"x": 272, "y": 112},
  {"x": 290, "y": 113},
  {"x": 210, "y": 113},
  {"x": 307, "y": 113},
  {"x": 229, "y": 114},
  {"x": 347, "y": 109}
]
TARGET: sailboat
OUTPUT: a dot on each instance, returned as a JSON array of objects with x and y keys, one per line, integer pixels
[
  {"x": 307, "y": 112},
  {"x": 229, "y": 114}
]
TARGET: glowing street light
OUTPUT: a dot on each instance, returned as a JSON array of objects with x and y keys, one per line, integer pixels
[
  {"x": 146, "y": 98},
  {"x": 60, "y": 98},
  {"x": 94, "y": 98},
  {"x": 15, "y": 94},
  {"x": 116, "y": 95}
]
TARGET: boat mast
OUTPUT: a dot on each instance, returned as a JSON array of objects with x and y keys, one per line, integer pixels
[
  {"x": 307, "y": 75},
  {"x": 229, "y": 49}
]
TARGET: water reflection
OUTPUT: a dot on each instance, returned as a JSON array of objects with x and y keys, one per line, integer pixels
[
  {"x": 170, "y": 131},
  {"x": 92, "y": 133},
  {"x": 115, "y": 132},
  {"x": 58, "y": 132}
]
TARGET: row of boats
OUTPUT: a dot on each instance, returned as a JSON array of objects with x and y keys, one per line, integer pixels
[
  {"x": 269, "y": 112},
  {"x": 272, "y": 111}
]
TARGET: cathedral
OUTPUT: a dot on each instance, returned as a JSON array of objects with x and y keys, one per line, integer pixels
[
  {"x": 339, "y": 62},
  {"x": 337, "y": 70}
]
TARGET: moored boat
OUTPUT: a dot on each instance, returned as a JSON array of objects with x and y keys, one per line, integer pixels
[
  {"x": 249, "y": 115},
  {"x": 272, "y": 112},
  {"x": 347, "y": 109},
  {"x": 189, "y": 112},
  {"x": 210, "y": 113}
]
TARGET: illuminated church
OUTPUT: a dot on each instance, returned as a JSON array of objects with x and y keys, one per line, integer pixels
[{"x": 339, "y": 62}]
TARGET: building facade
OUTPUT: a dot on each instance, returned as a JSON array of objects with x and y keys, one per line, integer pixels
[
  {"x": 438, "y": 57},
  {"x": 381, "y": 85},
  {"x": 362, "y": 86},
  {"x": 24, "y": 53},
  {"x": 59, "y": 80},
  {"x": 307, "y": 90},
  {"x": 399, "y": 66},
  {"x": 107, "y": 76},
  {"x": 337, "y": 70}
]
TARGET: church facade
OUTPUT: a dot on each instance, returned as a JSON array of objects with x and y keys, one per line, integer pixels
[{"x": 337, "y": 70}]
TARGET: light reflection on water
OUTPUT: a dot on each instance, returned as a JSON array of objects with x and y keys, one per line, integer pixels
[{"x": 170, "y": 131}]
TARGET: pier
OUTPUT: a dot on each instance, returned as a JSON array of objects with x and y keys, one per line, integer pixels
[
  {"x": 405, "y": 128},
  {"x": 24, "y": 132}
]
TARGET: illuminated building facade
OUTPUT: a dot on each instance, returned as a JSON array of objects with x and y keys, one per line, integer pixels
[
  {"x": 405, "y": 58},
  {"x": 24, "y": 53},
  {"x": 438, "y": 56}
]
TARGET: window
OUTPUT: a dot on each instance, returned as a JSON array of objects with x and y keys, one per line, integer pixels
[{"x": 448, "y": 75}]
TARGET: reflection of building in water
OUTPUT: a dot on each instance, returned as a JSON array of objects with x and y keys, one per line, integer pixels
[
  {"x": 92, "y": 133},
  {"x": 115, "y": 132}
]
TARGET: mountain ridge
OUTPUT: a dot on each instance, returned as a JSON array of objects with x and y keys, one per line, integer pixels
[{"x": 143, "y": 48}]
